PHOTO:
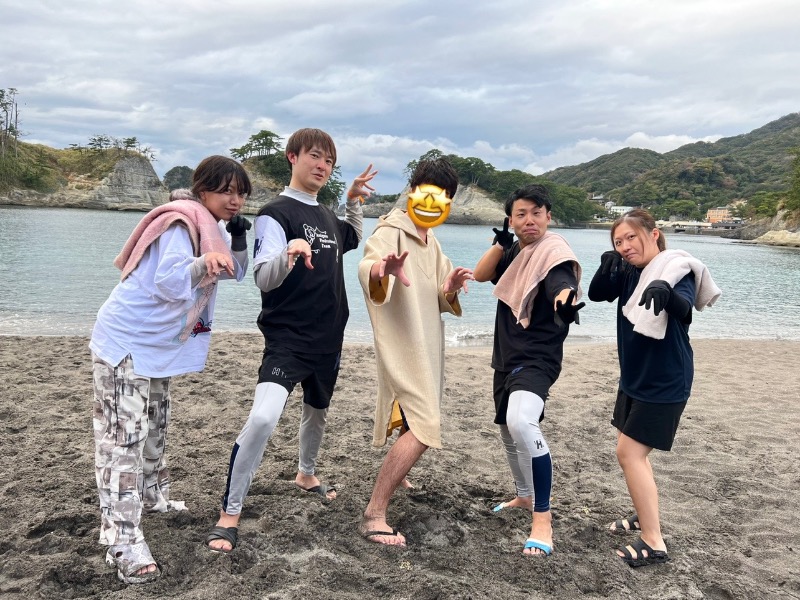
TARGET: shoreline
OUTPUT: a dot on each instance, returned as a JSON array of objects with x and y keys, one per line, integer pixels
[
  {"x": 484, "y": 342},
  {"x": 781, "y": 238}
]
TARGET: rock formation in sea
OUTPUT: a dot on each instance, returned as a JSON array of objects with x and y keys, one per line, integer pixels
[
  {"x": 471, "y": 206},
  {"x": 131, "y": 185}
]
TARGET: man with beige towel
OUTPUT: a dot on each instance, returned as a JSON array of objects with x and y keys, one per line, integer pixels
[{"x": 537, "y": 283}]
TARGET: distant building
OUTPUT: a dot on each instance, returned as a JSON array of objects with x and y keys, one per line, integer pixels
[
  {"x": 721, "y": 213},
  {"x": 619, "y": 210}
]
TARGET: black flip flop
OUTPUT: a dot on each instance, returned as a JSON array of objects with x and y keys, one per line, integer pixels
[{"x": 229, "y": 534}]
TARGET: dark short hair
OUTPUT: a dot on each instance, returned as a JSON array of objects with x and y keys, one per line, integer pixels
[
  {"x": 438, "y": 172},
  {"x": 306, "y": 139},
  {"x": 215, "y": 174},
  {"x": 535, "y": 192},
  {"x": 643, "y": 222}
]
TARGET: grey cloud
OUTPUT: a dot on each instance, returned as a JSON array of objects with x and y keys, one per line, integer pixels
[{"x": 521, "y": 84}]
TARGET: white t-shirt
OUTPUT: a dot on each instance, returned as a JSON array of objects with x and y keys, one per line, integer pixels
[{"x": 145, "y": 314}]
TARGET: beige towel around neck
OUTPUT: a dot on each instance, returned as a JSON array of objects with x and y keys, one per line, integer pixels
[{"x": 519, "y": 285}]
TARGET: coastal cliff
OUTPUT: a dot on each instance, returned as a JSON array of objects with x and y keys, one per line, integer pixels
[
  {"x": 780, "y": 230},
  {"x": 471, "y": 206},
  {"x": 132, "y": 184}
]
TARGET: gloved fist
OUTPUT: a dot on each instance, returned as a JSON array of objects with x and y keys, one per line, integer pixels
[
  {"x": 658, "y": 294},
  {"x": 505, "y": 238},
  {"x": 567, "y": 312},
  {"x": 237, "y": 226},
  {"x": 610, "y": 263}
]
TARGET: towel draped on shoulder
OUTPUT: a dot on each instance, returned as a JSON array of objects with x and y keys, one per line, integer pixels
[
  {"x": 202, "y": 227},
  {"x": 670, "y": 266},
  {"x": 519, "y": 285},
  {"x": 203, "y": 231}
]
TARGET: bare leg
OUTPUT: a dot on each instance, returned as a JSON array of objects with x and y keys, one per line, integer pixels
[
  {"x": 542, "y": 530},
  {"x": 403, "y": 455},
  {"x": 633, "y": 458}
]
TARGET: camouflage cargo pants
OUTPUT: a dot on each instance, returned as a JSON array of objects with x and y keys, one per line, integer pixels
[{"x": 130, "y": 419}]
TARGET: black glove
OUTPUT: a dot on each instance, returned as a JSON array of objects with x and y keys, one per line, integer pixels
[
  {"x": 237, "y": 226},
  {"x": 505, "y": 238},
  {"x": 610, "y": 263},
  {"x": 661, "y": 295},
  {"x": 567, "y": 312},
  {"x": 658, "y": 293}
]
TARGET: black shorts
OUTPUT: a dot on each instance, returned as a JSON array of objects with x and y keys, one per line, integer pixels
[
  {"x": 527, "y": 379},
  {"x": 317, "y": 373},
  {"x": 650, "y": 423}
]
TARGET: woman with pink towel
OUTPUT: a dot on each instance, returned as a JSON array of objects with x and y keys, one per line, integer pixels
[
  {"x": 656, "y": 289},
  {"x": 156, "y": 324}
]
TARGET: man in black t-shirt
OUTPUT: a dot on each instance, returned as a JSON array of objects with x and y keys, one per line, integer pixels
[
  {"x": 298, "y": 252},
  {"x": 539, "y": 278}
]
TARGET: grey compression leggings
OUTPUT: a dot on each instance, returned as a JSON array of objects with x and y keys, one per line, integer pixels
[
  {"x": 523, "y": 439},
  {"x": 268, "y": 404}
]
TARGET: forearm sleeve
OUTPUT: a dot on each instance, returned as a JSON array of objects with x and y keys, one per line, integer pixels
[
  {"x": 198, "y": 270},
  {"x": 604, "y": 287},
  {"x": 270, "y": 273},
  {"x": 354, "y": 215}
]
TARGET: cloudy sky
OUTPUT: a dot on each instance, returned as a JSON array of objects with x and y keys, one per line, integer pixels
[{"x": 527, "y": 84}]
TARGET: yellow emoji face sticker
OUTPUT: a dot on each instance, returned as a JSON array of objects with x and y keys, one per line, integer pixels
[{"x": 428, "y": 205}]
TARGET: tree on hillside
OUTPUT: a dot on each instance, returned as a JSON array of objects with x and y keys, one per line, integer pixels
[
  {"x": 431, "y": 154},
  {"x": 178, "y": 177},
  {"x": 98, "y": 143},
  {"x": 472, "y": 170},
  {"x": 505, "y": 182},
  {"x": 9, "y": 120},
  {"x": 793, "y": 199},
  {"x": 569, "y": 203},
  {"x": 263, "y": 143}
]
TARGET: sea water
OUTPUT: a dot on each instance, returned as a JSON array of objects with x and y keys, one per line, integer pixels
[{"x": 56, "y": 270}]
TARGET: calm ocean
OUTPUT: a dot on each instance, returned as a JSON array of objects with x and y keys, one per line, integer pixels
[{"x": 56, "y": 270}]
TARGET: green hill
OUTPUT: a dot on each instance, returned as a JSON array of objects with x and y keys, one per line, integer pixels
[
  {"x": 609, "y": 171},
  {"x": 45, "y": 169},
  {"x": 696, "y": 176}
]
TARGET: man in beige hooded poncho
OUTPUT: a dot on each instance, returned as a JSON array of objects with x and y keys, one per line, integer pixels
[{"x": 408, "y": 330}]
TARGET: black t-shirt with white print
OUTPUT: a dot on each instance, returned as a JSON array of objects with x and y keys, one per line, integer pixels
[{"x": 308, "y": 311}]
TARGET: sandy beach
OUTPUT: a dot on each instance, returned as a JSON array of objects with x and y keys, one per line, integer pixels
[{"x": 728, "y": 490}]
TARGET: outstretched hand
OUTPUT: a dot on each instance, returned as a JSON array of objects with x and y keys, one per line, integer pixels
[
  {"x": 299, "y": 248},
  {"x": 658, "y": 293},
  {"x": 505, "y": 238},
  {"x": 391, "y": 264},
  {"x": 216, "y": 263},
  {"x": 457, "y": 279},
  {"x": 360, "y": 187},
  {"x": 567, "y": 312}
]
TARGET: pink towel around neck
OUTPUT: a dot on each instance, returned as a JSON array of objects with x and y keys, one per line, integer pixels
[
  {"x": 519, "y": 285},
  {"x": 201, "y": 224},
  {"x": 204, "y": 233}
]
